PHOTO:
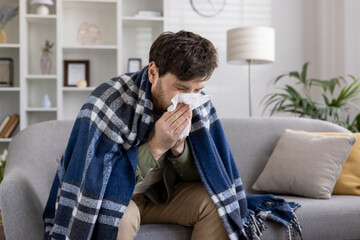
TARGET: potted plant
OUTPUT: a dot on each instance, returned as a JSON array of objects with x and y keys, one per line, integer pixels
[
  {"x": 45, "y": 61},
  {"x": 3, "y": 157},
  {"x": 6, "y": 14},
  {"x": 334, "y": 108}
]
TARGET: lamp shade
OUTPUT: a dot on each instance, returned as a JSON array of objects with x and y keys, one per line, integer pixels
[
  {"x": 46, "y": 2},
  {"x": 251, "y": 43}
]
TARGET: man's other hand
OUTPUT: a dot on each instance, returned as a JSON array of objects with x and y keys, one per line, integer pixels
[
  {"x": 179, "y": 146},
  {"x": 167, "y": 131}
]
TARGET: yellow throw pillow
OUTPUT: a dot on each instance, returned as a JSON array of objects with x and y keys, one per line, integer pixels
[{"x": 348, "y": 182}]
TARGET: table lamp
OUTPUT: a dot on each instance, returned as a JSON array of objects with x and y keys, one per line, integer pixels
[
  {"x": 42, "y": 9},
  {"x": 250, "y": 45}
]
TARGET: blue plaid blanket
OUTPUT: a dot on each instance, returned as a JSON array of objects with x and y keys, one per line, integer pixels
[{"x": 96, "y": 175}]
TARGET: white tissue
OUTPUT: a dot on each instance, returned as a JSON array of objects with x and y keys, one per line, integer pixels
[{"x": 194, "y": 100}]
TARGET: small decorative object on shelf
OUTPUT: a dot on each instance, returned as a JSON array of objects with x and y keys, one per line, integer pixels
[
  {"x": 89, "y": 34},
  {"x": 6, "y": 14},
  {"x": 3, "y": 157},
  {"x": 46, "y": 103},
  {"x": 74, "y": 71},
  {"x": 6, "y": 72},
  {"x": 81, "y": 84},
  {"x": 134, "y": 64},
  {"x": 45, "y": 61},
  {"x": 42, "y": 9}
]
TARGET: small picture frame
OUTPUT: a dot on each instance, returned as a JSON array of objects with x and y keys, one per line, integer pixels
[
  {"x": 6, "y": 72},
  {"x": 74, "y": 71},
  {"x": 134, "y": 64}
]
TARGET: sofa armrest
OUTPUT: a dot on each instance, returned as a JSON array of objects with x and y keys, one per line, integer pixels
[{"x": 20, "y": 208}]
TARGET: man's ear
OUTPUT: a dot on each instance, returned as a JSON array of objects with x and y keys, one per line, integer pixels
[{"x": 152, "y": 72}]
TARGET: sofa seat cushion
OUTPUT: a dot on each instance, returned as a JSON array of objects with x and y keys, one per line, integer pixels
[
  {"x": 335, "y": 218},
  {"x": 330, "y": 219}
]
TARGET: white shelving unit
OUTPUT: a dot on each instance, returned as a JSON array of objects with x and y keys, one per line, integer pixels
[
  {"x": 123, "y": 36},
  {"x": 9, "y": 45},
  {"x": 5, "y": 140},
  {"x": 10, "y": 96},
  {"x": 102, "y": 57}
]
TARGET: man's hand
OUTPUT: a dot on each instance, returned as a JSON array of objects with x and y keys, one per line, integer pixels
[
  {"x": 179, "y": 146},
  {"x": 167, "y": 131}
]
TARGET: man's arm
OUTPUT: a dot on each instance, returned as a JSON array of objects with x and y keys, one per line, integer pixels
[
  {"x": 184, "y": 165},
  {"x": 146, "y": 162}
]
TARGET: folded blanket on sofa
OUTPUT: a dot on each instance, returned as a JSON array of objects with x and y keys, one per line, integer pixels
[{"x": 96, "y": 175}]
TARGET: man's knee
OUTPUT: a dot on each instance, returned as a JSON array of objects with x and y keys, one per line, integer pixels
[
  {"x": 208, "y": 207},
  {"x": 208, "y": 224},
  {"x": 129, "y": 223}
]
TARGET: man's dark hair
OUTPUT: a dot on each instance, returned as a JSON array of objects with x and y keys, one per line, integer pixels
[{"x": 184, "y": 54}]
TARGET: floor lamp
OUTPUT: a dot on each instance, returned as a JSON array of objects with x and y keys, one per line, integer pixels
[{"x": 250, "y": 45}]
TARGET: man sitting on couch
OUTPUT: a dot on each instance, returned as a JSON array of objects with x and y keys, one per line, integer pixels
[
  {"x": 166, "y": 173},
  {"x": 125, "y": 163}
]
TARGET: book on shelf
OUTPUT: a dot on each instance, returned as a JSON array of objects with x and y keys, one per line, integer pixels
[
  {"x": 4, "y": 122},
  {"x": 10, "y": 126}
]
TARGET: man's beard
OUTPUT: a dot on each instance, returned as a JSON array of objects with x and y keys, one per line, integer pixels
[{"x": 158, "y": 100}]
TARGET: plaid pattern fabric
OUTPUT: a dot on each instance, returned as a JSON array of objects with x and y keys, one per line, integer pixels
[
  {"x": 218, "y": 170},
  {"x": 96, "y": 175}
]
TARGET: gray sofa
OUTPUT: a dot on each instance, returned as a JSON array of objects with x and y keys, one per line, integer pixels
[{"x": 34, "y": 154}]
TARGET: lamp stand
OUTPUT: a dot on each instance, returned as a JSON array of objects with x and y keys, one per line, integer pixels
[{"x": 250, "y": 89}]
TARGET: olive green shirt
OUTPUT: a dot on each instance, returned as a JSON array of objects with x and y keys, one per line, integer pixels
[{"x": 175, "y": 169}]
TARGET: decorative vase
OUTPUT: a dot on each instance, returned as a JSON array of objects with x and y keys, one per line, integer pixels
[
  {"x": 45, "y": 63},
  {"x": 46, "y": 103},
  {"x": 42, "y": 10},
  {"x": 3, "y": 37}
]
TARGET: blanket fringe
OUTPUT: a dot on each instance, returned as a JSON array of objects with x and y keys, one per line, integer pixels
[
  {"x": 294, "y": 226},
  {"x": 254, "y": 227}
]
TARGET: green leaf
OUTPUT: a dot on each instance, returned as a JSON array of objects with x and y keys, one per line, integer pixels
[
  {"x": 333, "y": 83},
  {"x": 304, "y": 72},
  {"x": 295, "y": 94},
  {"x": 321, "y": 83},
  {"x": 279, "y": 77},
  {"x": 295, "y": 74},
  {"x": 325, "y": 99}
]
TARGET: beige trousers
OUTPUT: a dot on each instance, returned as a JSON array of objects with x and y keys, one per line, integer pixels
[{"x": 190, "y": 205}]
